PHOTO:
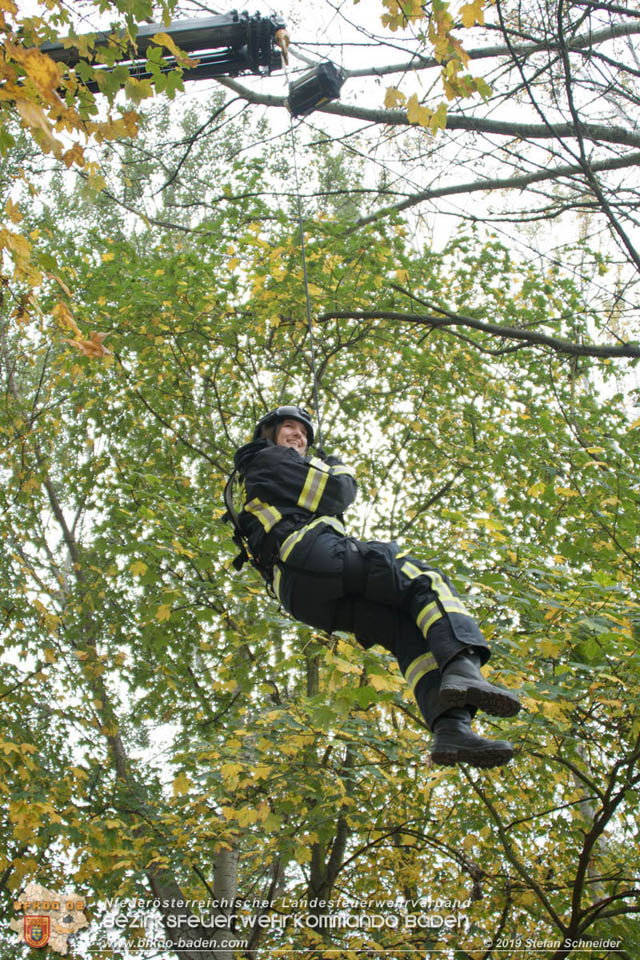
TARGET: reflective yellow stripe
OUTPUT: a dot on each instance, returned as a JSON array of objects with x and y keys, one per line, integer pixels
[
  {"x": 313, "y": 489},
  {"x": 428, "y": 616},
  {"x": 449, "y": 601},
  {"x": 411, "y": 571},
  {"x": 418, "y": 668},
  {"x": 294, "y": 538},
  {"x": 340, "y": 469},
  {"x": 455, "y": 606},
  {"x": 319, "y": 464},
  {"x": 265, "y": 513}
]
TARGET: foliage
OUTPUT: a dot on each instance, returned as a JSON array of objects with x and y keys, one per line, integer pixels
[
  {"x": 55, "y": 105},
  {"x": 434, "y": 25},
  {"x": 535, "y": 132},
  {"x": 165, "y": 727}
]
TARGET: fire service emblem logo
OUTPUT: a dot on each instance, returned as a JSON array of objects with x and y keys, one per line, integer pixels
[
  {"x": 49, "y": 918},
  {"x": 37, "y": 931}
]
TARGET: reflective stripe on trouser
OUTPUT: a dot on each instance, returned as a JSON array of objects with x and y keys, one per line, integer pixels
[
  {"x": 407, "y": 607},
  {"x": 428, "y": 598}
]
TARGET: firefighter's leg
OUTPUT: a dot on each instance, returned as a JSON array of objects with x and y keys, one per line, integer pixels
[
  {"x": 453, "y": 741},
  {"x": 311, "y": 583},
  {"x": 316, "y": 591},
  {"x": 453, "y": 639}
]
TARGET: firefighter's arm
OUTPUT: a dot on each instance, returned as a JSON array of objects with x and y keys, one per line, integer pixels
[{"x": 281, "y": 475}]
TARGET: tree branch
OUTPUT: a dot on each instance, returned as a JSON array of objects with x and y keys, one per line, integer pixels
[
  {"x": 532, "y": 338},
  {"x": 506, "y": 183},
  {"x": 455, "y": 121}
]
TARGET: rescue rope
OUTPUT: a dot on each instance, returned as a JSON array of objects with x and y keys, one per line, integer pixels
[
  {"x": 283, "y": 41},
  {"x": 314, "y": 371}
]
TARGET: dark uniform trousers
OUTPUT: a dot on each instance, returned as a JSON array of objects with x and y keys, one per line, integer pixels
[{"x": 383, "y": 596}]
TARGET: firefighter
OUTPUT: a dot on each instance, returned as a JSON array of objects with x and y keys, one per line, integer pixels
[{"x": 293, "y": 524}]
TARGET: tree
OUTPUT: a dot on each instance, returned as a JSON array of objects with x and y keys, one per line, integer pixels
[
  {"x": 444, "y": 142},
  {"x": 177, "y": 737},
  {"x": 568, "y": 68},
  {"x": 55, "y": 105},
  {"x": 444, "y": 137}
]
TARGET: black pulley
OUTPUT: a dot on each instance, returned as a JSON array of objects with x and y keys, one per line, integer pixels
[{"x": 315, "y": 87}]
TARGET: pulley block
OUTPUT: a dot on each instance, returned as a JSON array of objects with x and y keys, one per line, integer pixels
[{"x": 314, "y": 88}]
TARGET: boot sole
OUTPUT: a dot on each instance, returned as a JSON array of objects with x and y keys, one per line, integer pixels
[
  {"x": 494, "y": 701},
  {"x": 475, "y": 758}
]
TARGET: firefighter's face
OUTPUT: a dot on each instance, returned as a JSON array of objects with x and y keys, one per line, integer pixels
[{"x": 291, "y": 433}]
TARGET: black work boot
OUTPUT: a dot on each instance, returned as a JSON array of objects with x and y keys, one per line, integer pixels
[
  {"x": 463, "y": 685},
  {"x": 455, "y": 742}
]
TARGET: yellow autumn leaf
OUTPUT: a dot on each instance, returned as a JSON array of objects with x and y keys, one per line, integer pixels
[
  {"x": 93, "y": 347},
  {"x": 553, "y": 710},
  {"x": 261, "y": 771},
  {"x": 394, "y": 98},
  {"x": 138, "y": 568},
  {"x": 549, "y": 648},
  {"x": 164, "y": 40},
  {"x": 181, "y": 785},
  {"x": 344, "y": 666},
  {"x": 536, "y": 489},
  {"x": 18, "y": 245},
  {"x": 472, "y": 13},
  {"x": 62, "y": 314},
  {"x": 416, "y": 113},
  {"x": 43, "y": 71},
  {"x": 566, "y": 492},
  {"x": 303, "y": 854},
  {"x": 163, "y": 612},
  {"x": 438, "y": 120},
  {"x": 33, "y": 116},
  {"x": 246, "y": 815},
  {"x": 302, "y": 739},
  {"x": 74, "y": 154},
  {"x": 230, "y": 771},
  {"x": 13, "y": 211},
  {"x": 388, "y": 682}
]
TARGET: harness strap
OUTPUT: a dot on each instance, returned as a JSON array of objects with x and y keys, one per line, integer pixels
[
  {"x": 356, "y": 569},
  {"x": 231, "y": 516}
]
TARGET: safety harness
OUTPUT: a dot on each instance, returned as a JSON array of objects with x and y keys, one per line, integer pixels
[
  {"x": 231, "y": 516},
  {"x": 269, "y": 547},
  {"x": 355, "y": 570}
]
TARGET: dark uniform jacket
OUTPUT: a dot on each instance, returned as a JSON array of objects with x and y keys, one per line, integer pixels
[{"x": 289, "y": 497}]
